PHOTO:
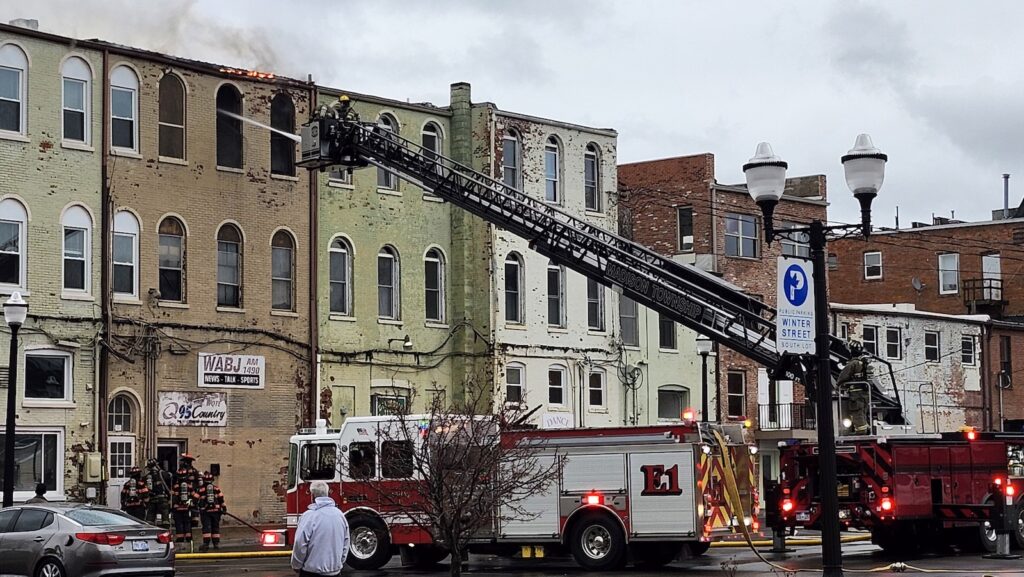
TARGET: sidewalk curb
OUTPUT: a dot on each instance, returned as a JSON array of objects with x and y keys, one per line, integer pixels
[
  {"x": 232, "y": 555},
  {"x": 798, "y": 542}
]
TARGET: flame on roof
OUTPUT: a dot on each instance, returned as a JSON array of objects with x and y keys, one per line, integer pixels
[{"x": 249, "y": 73}]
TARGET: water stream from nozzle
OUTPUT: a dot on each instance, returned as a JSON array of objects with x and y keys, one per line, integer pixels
[{"x": 294, "y": 137}]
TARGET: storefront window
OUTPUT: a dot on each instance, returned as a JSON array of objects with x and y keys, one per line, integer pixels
[{"x": 35, "y": 461}]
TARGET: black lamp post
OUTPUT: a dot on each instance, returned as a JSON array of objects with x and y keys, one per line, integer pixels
[
  {"x": 15, "y": 311},
  {"x": 766, "y": 180},
  {"x": 703, "y": 345}
]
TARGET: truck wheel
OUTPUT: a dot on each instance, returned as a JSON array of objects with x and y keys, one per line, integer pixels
[
  {"x": 598, "y": 543},
  {"x": 370, "y": 543},
  {"x": 1017, "y": 540},
  {"x": 698, "y": 548},
  {"x": 987, "y": 537},
  {"x": 655, "y": 555}
]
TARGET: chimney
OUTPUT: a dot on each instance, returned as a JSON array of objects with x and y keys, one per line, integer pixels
[
  {"x": 1006, "y": 196},
  {"x": 30, "y": 23}
]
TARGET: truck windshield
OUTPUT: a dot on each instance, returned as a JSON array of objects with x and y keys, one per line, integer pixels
[{"x": 293, "y": 456}]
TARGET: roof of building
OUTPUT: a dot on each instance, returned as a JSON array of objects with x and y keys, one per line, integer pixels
[
  {"x": 609, "y": 132},
  {"x": 907, "y": 310},
  {"x": 357, "y": 96}
]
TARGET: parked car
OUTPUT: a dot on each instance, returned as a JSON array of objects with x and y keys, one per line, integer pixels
[{"x": 76, "y": 540}]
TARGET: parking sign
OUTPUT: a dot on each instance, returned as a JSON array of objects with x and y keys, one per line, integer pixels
[{"x": 794, "y": 323}]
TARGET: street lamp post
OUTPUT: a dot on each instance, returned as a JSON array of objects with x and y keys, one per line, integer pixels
[
  {"x": 766, "y": 180},
  {"x": 15, "y": 311},
  {"x": 703, "y": 345}
]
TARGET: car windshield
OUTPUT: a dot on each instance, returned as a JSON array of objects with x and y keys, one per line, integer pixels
[{"x": 100, "y": 517}]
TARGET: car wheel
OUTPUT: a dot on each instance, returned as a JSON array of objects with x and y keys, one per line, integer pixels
[
  {"x": 598, "y": 543},
  {"x": 50, "y": 568},
  {"x": 370, "y": 546}
]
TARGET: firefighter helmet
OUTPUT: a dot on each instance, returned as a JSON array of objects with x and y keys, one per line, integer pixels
[
  {"x": 152, "y": 463},
  {"x": 208, "y": 476},
  {"x": 134, "y": 472},
  {"x": 187, "y": 457}
]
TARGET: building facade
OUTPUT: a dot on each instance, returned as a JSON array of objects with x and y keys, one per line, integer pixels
[{"x": 50, "y": 246}]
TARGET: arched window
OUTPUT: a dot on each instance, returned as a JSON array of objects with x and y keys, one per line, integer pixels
[
  {"x": 514, "y": 288},
  {"x": 388, "y": 284},
  {"x": 13, "y": 245},
  {"x": 229, "y": 127},
  {"x": 77, "y": 225},
  {"x": 433, "y": 285},
  {"x": 172, "y": 117},
  {"x": 556, "y": 295},
  {"x": 510, "y": 159},
  {"x": 124, "y": 109},
  {"x": 13, "y": 88},
  {"x": 430, "y": 140},
  {"x": 385, "y": 179},
  {"x": 341, "y": 277},
  {"x": 76, "y": 93},
  {"x": 282, "y": 148},
  {"x": 229, "y": 266},
  {"x": 552, "y": 170},
  {"x": 119, "y": 415},
  {"x": 282, "y": 273},
  {"x": 126, "y": 254},
  {"x": 172, "y": 260},
  {"x": 592, "y": 178}
]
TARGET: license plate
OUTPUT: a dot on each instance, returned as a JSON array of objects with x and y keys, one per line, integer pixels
[
  {"x": 140, "y": 546},
  {"x": 803, "y": 516}
]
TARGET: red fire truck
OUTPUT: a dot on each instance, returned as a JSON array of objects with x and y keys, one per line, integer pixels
[
  {"x": 642, "y": 492},
  {"x": 909, "y": 490}
]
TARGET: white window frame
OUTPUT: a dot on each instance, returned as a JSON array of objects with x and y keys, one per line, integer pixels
[
  {"x": 675, "y": 334},
  {"x": 562, "y": 372},
  {"x": 844, "y": 330},
  {"x": 14, "y": 212},
  {"x": 898, "y": 342},
  {"x": 674, "y": 390},
  {"x": 76, "y": 69},
  {"x": 945, "y": 270},
  {"x": 239, "y": 267},
  {"x": 799, "y": 247},
  {"x": 512, "y": 136},
  {"x": 439, "y": 260},
  {"x": 867, "y": 265},
  {"x": 602, "y": 388},
  {"x": 560, "y": 297},
  {"x": 520, "y": 370},
  {"x": 346, "y": 250},
  {"x": 77, "y": 218},
  {"x": 874, "y": 341},
  {"x": 390, "y": 181},
  {"x": 119, "y": 81},
  {"x": 12, "y": 57},
  {"x": 290, "y": 279},
  {"x": 516, "y": 259},
  {"x": 69, "y": 382},
  {"x": 740, "y": 219},
  {"x": 973, "y": 350},
  {"x": 592, "y": 189},
  {"x": 933, "y": 348},
  {"x": 133, "y": 232},
  {"x": 635, "y": 343},
  {"x": 553, "y": 147},
  {"x": 599, "y": 323},
  {"x": 128, "y": 412},
  {"x": 58, "y": 493},
  {"x": 395, "y": 314},
  {"x": 431, "y": 130}
]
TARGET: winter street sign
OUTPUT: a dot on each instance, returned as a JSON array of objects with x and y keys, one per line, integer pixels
[{"x": 794, "y": 322}]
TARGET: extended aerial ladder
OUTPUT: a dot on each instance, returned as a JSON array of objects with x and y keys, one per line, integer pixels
[{"x": 681, "y": 292}]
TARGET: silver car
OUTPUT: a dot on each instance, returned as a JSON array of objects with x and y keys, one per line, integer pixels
[{"x": 75, "y": 540}]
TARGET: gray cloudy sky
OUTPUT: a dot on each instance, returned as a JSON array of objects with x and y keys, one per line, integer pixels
[{"x": 938, "y": 84}]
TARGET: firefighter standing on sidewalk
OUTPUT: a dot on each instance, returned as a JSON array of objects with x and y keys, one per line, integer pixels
[
  {"x": 135, "y": 495},
  {"x": 211, "y": 507},
  {"x": 159, "y": 483},
  {"x": 182, "y": 503},
  {"x": 187, "y": 472}
]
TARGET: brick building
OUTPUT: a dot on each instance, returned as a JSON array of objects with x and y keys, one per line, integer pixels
[{"x": 676, "y": 207}]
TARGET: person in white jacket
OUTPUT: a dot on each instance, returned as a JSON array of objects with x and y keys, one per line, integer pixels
[{"x": 321, "y": 539}]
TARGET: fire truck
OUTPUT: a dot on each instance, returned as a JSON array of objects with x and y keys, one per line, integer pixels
[{"x": 639, "y": 492}]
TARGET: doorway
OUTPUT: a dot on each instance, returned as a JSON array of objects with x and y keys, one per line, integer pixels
[
  {"x": 991, "y": 271},
  {"x": 121, "y": 459},
  {"x": 168, "y": 453}
]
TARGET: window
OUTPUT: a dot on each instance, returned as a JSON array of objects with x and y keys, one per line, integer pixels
[
  {"x": 931, "y": 346},
  {"x": 396, "y": 459},
  {"x": 1005, "y": 362},
  {"x": 172, "y": 117},
  {"x": 949, "y": 273},
  {"x": 510, "y": 164},
  {"x": 514, "y": 288},
  {"x": 796, "y": 243},
  {"x": 40, "y": 458},
  {"x": 893, "y": 343},
  {"x": 13, "y": 88},
  {"x": 229, "y": 127},
  {"x": 666, "y": 333},
  {"x": 282, "y": 271},
  {"x": 967, "y": 350},
  {"x": 13, "y": 218},
  {"x": 737, "y": 394},
  {"x": 388, "y": 404},
  {"x": 119, "y": 415},
  {"x": 872, "y": 265},
  {"x": 388, "y": 282},
  {"x": 32, "y": 520},
  {"x": 124, "y": 109},
  {"x": 126, "y": 254},
  {"x": 319, "y": 461},
  {"x": 592, "y": 178},
  {"x": 844, "y": 331},
  {"x": 556, "y": 295},
  {"x": 341, "y": 277},
  {"x": 556, "y": 386},
  {"x": 741, "y": 236},
  {"x": 514, "y": 383},
  {"x": 596, "y": 389},
  {"x": 672, "y": 401},
  {"x": 871, "y": 340},
  {"x": 386, "y": 179},
  {"x": 684, "y": 223},
  {"x": 628, "y": 321},
  {"x": 77, "y": 226},
  {"x": 172, "y": 260},
  {"x": 433, "y": 285},
  {"x": 282, "y": 148},
  {"x": 430, "y": 140},
  {"x": 76, "y": 99},
  {"x": 48, "y": 376},
  {"x": 552, "y": 171},
  {"x": 362, "y": 460},
  {"x": 595, "y": 305},
  {"x": 833, "y": 261},
  {"x": 229, "y": 266},
  {"x": 340, "y": 175}
]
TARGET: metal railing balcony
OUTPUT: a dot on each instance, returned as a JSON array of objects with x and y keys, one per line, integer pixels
[{"x": 786, "y": 417}]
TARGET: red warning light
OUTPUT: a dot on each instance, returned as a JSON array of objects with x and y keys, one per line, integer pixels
[
  {"x": 787, "y": 506},
  {"x": 593, "y": 499},
  {"x": 688, "y": 415},
  {"x": 972, "y": 435},
  {"x": 1010, "y": 490},
  {"x": 887, "y": 504}
]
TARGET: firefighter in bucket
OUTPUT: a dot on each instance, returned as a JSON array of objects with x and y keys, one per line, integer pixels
[{"x": 210, "y": 500}]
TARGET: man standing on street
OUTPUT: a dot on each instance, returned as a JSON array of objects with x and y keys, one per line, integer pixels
[{"x": 321, "y": 539}]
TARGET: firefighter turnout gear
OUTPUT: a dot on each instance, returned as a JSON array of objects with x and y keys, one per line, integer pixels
[
  {"x": 135, "y": 495},
  {"x": 182, "y": 503},
  {"x": 189, "y": 473},
  {"x": 159, "y": 484},
  {"x": 210, "y": 501}
]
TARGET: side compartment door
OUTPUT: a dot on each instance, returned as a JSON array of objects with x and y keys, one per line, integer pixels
[
  {"x": 541, "y": 511},
  {"x": 662, "y": 493}
]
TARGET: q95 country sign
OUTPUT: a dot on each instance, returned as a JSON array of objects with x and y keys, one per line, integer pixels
[{"x": 232, "y": 371}]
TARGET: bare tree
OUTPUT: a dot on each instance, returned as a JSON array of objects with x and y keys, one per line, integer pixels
[{"x": 458, "y": 471}]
